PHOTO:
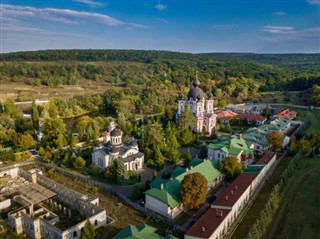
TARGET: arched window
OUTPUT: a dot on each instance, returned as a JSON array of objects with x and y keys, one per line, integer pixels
[
  {"x": 96, "y": 222},
  {"x": 75, "y": 234}
]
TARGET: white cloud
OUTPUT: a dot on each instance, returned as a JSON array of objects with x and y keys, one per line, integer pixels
[
  {"x": 279, "y": 14},
  {"x": 160, "y": 6},
  {"x": 314, "y": 2},
  {"x": 66, "y": 16},
  {"x": 277, "y": 29},
  {"x": 90, "y": 3}
]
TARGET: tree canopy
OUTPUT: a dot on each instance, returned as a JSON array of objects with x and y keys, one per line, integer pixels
[
  {"x": 275, "y": 138},
  {"x": 193, "y": 191},
  {"x": 231, "y": 167}
]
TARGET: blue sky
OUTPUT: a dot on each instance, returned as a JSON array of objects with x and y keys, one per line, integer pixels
[{"x": 260, "y": 26}]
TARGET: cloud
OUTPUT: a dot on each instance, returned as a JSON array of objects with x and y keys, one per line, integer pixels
[
  {"x": 66, "y": 16},
  {"x": 90, "y": 3},
  {"x": 314, "y": 2},
  {"x": 279, "y": 14},
  {"x": 160, "y": 6},
  {"x": 277, "y": 29}
]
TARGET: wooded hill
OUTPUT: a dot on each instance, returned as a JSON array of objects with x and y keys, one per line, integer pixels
[{"x": 227, "y": 74}]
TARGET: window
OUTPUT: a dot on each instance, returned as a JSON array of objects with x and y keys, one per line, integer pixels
[
  {"x": 96, "y": 222},
  {"x": 75, "y": 234}
]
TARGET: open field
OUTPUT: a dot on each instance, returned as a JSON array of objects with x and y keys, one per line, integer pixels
[
  {"x": 23, "y": 92},
  {"x": 259, "y": 203},
  {"x": 298, "y": 215},
  {"x": 313, "y": 116}
]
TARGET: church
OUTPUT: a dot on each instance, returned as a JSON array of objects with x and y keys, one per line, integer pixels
[
  {"x": 202, "y": 108},
  {"x": 128, "y": 153}
]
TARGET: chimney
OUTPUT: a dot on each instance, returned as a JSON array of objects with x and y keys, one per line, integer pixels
[
  {"x": 203, "y": 229},
  {"x": 226, "y": 198},
  {"x": 230, "y": 143},
  {"x": 219, "y": 213},
  {"x": 161, "y": 186},
  {"x": 240, "y": 136},
  {"x": 187, "y": 169},
  {"x": 231, "y": 192},
  {"x": 236, "y": 187}
]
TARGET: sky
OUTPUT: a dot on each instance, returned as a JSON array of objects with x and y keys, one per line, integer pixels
[{"x": 197, "y": 26}]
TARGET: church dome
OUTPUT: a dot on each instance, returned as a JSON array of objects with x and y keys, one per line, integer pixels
[
  {"x": 196, "y": 92},
  {"x": 116, "y": 132},
  {"x": 133, "y": 143}
]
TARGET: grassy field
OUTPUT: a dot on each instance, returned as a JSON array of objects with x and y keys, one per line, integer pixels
[
  {"x": 299, "y": 213},
  {"x": 261, "y": 200},
  {"x": 313, "y": 116}
]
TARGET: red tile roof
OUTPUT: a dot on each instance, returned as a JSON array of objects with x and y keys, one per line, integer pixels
[
  {"x": 251, "y": 117},
  {"x": 285, "y": 114},
  {"x": 225, "y": 114},
  {"x": 266, "y": 158},
  {"x": 235, "y": 190},
  {"x": 208, "y": 223}
]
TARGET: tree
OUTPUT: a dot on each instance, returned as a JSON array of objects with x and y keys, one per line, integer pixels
[
  {"x": 158, "y": 159},
  {"x": 88, "y": 231},
  {"x": 186, "y": 137},
  {"x": 275, "y": 138},
  {"x": 35, "y": 115},
  {"x": 203, "y": 152},
  {"x": 26, "y": 141},
  {"x": 186, "y": 120},
  {"x": 187, "y": 158},
  {"x": 231, "y": 167},
  {"x": 266, "y": 112},
  {"x": 79, "y": 162},
  {"x": 193, "y": 191}
]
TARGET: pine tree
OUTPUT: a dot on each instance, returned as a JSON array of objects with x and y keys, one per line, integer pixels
[{"x": 187, "y": 158}]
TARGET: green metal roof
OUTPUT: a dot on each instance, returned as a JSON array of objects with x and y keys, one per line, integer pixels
[
  {"x": 169, "y": 194},
  {"x": 140, "y": 232},
  {"x": 237, "y": 145}
]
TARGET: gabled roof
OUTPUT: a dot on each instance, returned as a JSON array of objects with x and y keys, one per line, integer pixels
[
  {"x": 285, "y": 114},
  {"x": 251, "y": 117},
  {"x": 225, "y": 114},
  {"x": 168, "y": 191},
  {"x": 231, "y": 145},
  {"x": 140, "y": 232}
]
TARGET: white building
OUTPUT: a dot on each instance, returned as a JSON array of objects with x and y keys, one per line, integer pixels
[
  {"x": 201, "y": 107},
  {"x": 128, "y": 153}
]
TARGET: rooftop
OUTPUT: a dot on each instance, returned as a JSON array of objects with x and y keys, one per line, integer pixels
[
  {"x": 167, "y": 191},
  {"x": 208, "y": 223},
  {"x": 235, "y": 190},
  {"x": 142, "y": 231},
  {"x": 266, "y": 158}
]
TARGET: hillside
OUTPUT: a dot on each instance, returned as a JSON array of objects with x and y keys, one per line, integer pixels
[
  {"x": 228, "y": 75},
  {"x": 297, "y": 62}
]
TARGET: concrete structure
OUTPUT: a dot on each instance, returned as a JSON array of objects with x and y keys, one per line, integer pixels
[
  {"x": 245, "y": 108},
  {"x": 45, "y": 209},
  {"x": 234, "y": 146},
  {"x": 216, "y": 221},
  {"x": 128, "y": 153},
  {"x": 163, "y": 197},
  {"x": 201, "y": 107}
]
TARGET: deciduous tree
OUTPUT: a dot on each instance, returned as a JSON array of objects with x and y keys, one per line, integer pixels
[
  {"x": 275, "y": 138},
  {"x": 231, "y": 167},
  {"x": 193, "y": 190},
  {"x": 88, "y": 231}
]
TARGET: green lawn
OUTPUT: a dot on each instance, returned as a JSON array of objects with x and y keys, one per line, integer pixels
[
  {"x": 260, "y": 202},
  {"x": 313, "y": 116},
  {"x": 298, "y": 216}
]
